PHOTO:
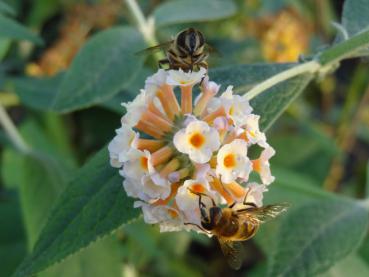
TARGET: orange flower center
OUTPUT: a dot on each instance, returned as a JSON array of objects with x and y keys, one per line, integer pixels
[
  {"x": 229, "y": 160},
  {"x": 144, "y": 162},
  {"x": 256, "y": 165},
  {"x": 172, "y": 213},
  {"x": 198, "y": 188},
  {"x": 197, "y": 140}
]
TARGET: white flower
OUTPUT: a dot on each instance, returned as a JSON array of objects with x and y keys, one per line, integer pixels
[
  {"x": 262, "y": 165},
  {"x": 252, "y": 131},
  {"x": 169, "y": 218},
  {"x": 198, "y": 140},
  {"x": 255, "y": 193},
  {"x": 232, "y": 161},
  {"x": 137, "y": 107},
  {"x": 134, "y": 189},
  {"x": 154, "y": 82},
  {"x": 201, "y": 171},
  {"x": 236, "y": 106},
  {"x": 154, "y": 190},
  {"x": 192, "y": 153},
  {"x": 137, "y": 165},
  {"x": 221, "y": 123},
  {"x": 121, "y": 145},
  {"x": 140, "y": 171},
  {"x": 210, "y": 86},
  {"x": 188, "y": 202},
  {"x": 181, "y": 78}
]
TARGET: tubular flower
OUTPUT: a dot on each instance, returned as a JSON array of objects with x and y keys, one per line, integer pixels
[{"x": 171, "y": 149}]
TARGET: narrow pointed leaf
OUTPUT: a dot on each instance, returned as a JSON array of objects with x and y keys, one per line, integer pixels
[
  {"x": 182, "y": 11},
  {"x": 355, "y": 16},
  {"x": 315, "y": 236},
  {"x": 93, "y": 205},
  {"x": 103, "y": 67},
  {"x": 11, "y": 29}
]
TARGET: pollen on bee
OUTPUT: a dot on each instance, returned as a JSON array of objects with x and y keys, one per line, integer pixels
[{"x": 197, "y": 140}]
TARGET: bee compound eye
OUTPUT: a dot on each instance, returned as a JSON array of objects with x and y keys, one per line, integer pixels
[
  {"x": 201, "y": 39},
  {"x": 181, "y": 39}
]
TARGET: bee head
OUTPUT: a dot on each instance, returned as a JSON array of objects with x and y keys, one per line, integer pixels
[{"x": 191, "y": 40}]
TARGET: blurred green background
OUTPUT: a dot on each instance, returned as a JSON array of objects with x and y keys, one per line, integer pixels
[{"x": 322, "y": 140}]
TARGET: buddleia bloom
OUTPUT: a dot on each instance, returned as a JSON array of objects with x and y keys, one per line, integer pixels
[{"x": 172, "y": 145}]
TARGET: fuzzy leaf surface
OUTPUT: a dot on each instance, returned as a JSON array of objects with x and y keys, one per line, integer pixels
[
  {"x": 315, "y": 236},
  {"x": 103, "y": 67}
]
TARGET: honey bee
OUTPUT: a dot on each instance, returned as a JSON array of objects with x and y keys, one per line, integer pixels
[
  {"x": 187, "y": 51},
  {"x": 231, "y": 226}
]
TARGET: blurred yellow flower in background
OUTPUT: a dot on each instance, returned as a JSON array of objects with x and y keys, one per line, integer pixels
[{"x": 286, "y": 38}]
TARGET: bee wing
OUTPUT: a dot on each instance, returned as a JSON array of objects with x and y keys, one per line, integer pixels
[
  {"x": 155, "y": 48},
  {"x": 212, "y": 50},
  {"x": 233, "y": 252},
  {"x": 265, "y": 213}
]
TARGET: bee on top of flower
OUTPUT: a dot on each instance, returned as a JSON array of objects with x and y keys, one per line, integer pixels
[{"x": 171, "y": 148}]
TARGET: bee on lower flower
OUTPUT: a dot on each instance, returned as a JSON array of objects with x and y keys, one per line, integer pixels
[{"x": 171, "y": 149}]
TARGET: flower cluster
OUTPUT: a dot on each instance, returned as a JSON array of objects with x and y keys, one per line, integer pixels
[{"x": 171, "y": 147}]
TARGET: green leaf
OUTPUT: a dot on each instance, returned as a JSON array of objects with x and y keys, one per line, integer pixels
[
  {"x": 364, "y": 250},
  {"x": 103, "y": 67},
  {"x": 12, "y": 238},
  {"x": 13, "y": 30},
  {"x": 295, "y": 188},
  {"x": 40, "y": 176},
  {"x": 37, "y": 93},
  {"x": 355, "y": 16},
  {"x": 92, "y": 206},
  {"x": 101, "y": 259},
  {"x": 5, "y": 8},
  {"x": 4, "y": 47},
  {"x": 271, "y": 103},
  {"x": 346, "y": 49},
  {"x": 43, "y": 179},
  {"x": 290, "y": 187},
  {"x": 367, "y": 180},
  {"x": 43, "y": 10},
  {"x": 353, "y": 265},
  {"x": 315, "y": 236},
  {"x": 182, "y": 11},
  {"x": 115, "y": 103}
]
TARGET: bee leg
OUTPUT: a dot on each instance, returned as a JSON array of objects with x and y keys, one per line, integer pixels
[
  {"x": 162, "y": 62},
  {"x": 203, "y": 194},
  {"x": 198, "y": 226},
  {"x": 252, "y": 204},
  {"x": 203, "y": 212},
  {"x": 244, "y": 202},
  {"x": 248, "y": 203},
  {"x": 203, "y": 64}
]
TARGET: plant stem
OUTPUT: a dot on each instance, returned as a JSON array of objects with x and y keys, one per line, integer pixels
[
  {"x": 146, "y": 27},
  {"x": 12, "y": 132},
  {"x": 308, "y": 67}
]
